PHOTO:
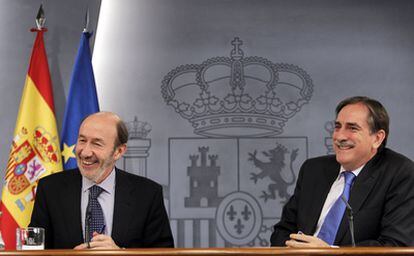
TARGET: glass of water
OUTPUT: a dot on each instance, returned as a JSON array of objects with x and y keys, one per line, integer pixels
[{"x": 30, "y": 238}]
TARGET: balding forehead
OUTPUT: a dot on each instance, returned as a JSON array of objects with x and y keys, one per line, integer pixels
[
  {"x": 99, "y": 126},
  {"x": 106, "y": 114},
  {"x": 103, "y": 115}
]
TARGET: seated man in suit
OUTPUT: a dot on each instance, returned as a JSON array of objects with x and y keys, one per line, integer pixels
[
  {"x": 98, "y": 205},
  {"x": 377, "y": 182}
]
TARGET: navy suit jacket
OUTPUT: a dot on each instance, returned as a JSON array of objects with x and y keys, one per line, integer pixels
[
  {"x": 382, "y": 199},
  {"x": 139, "y": 220}
]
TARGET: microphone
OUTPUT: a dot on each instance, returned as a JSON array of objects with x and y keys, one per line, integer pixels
[{"x": 350, "y": 219}]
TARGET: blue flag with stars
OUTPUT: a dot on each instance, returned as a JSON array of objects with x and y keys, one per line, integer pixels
[{"x": 82, "y": 101}]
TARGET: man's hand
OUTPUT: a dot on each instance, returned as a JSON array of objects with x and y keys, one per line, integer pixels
[
  {"x": 98, "y": 242},
  {"x": 302, "y": 240}
]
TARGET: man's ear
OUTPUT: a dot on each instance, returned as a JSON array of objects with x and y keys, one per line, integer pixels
[
  {"x": 379, "y": 138},
  {"x": 120, "y": 151}
]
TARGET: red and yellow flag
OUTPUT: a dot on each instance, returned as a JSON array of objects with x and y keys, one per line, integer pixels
[{"x": 35, "y": 149}]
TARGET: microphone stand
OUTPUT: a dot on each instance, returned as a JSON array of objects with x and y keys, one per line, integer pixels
[
  {"x": 87, "y": 224},
  {"x": 350, "y": 219}
]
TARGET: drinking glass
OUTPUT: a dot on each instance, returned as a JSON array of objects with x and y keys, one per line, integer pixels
[{"x": 31, "y": 238}]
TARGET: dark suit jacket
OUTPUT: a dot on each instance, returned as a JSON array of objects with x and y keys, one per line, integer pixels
[
  {"x": 139, "y": 219},
  {"x": 382, "y": 199}
]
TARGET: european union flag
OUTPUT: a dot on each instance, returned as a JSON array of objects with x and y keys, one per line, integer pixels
[{"x": 82, "y": 101}]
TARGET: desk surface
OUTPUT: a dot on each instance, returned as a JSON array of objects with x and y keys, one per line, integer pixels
[{"x": 223, "y": 252}]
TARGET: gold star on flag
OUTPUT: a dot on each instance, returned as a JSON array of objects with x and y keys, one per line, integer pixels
[{"x": 68, "y": 152}]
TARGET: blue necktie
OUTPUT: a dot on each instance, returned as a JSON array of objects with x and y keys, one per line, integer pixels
[
  {"x": 94, "y": 213},
  {"x": 333, "y": 218}
]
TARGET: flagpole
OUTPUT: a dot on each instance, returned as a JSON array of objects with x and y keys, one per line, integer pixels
[{"x": 86, "y": 24}]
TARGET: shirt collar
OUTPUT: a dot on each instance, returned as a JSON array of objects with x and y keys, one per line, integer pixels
[
  {"x": 108, "y": 184},
  {"x": 355, "y": 172}
]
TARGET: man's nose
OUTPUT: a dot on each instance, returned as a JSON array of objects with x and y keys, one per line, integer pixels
[
  {"x": 339, "y": 134},
  {"x": 86, "y": 151}
]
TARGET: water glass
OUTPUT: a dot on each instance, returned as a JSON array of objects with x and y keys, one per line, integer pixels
[{"x": 31, "y": 238}]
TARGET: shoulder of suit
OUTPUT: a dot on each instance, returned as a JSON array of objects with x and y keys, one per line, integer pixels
[
  {"x": 398, "y": 160},
  {"x": 391, "y": 154},
  {"x": 319, "y": 164},
  {"x": 328, "y": 159},
  {"x": 61, "y": 176}
]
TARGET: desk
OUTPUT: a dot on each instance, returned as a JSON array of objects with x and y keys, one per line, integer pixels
[{"x": 221, "y": 252}]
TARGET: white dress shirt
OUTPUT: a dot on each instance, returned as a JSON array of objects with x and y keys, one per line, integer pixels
[{"x": 333, "y": 195}]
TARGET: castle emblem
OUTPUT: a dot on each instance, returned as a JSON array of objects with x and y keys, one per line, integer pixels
[
  {"x": 203, "y": 180},
  {"x": 235, "y": 92}
]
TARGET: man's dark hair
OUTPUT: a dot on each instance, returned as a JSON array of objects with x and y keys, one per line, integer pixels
[
  {"x": 378, "y": 118},
  {"x": 122, "y": 133}
]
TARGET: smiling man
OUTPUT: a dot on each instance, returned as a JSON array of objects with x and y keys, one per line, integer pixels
[
  {"x": 377, "y": 182},
  {"x": 99, "y": 206}
]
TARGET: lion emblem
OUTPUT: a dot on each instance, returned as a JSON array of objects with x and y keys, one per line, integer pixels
[{"x": 273, "y": 169}]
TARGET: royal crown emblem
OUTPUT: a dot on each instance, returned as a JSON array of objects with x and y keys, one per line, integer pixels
[
  {"x": 237, "y": 95},
  {"x": 45, "y": 145},
  {"x": 138, "y": 129}
]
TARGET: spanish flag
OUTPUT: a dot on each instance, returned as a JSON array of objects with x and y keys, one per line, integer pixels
[{"x": 35, "y": 149}]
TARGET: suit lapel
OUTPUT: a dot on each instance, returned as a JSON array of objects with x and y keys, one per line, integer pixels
[
  {"x": 70, "y": 196},
  {"x": 321, "y": 190},
  {"x": 123, "y": 211},
  {"x": 362, "y": 187}
]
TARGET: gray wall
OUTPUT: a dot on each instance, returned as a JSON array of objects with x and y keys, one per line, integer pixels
[{"x": 345, "y": 47}]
